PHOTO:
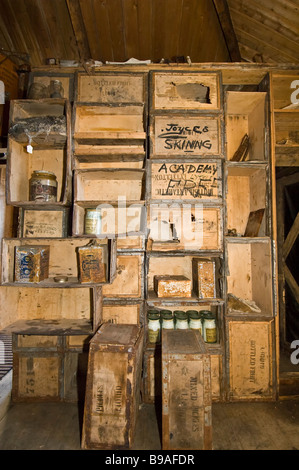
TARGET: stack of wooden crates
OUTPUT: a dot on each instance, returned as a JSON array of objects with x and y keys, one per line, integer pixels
[{"x": 165, "y": 147}]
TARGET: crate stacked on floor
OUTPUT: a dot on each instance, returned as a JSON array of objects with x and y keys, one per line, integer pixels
[{"x": 184, "y": 265}]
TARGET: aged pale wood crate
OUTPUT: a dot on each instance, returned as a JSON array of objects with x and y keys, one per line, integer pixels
[
  {"x": 30, "y": 310},
  {"x": 119, "y": 160},
  {"x": 185, "y": 180},
  {"x": 63, "y": 260},
  {"x": 45, "y": 369},
  {"x": 122, "y": 311},
  {"x": 129, "y": 280},
  {"x": 46, "y": 76},
  {"x": 46, "y": 126},
  {"x": 180, "y": 134},
  {"x": 191, "y": 91},
  {"x": 186, "y": 392},
  {"x": 111, "y": 87},
  {"x": 152, "y": 375},
  {"x": 251, "y": 360},
  {"x": 175, "y": 227},
  {"x": 43, "y": 223},
  {"x": 113, "y": 387}
]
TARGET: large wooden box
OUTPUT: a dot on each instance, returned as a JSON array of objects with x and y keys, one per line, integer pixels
[
  {"x": 186, "y": 392},
  {"x": 45, "y": 369},
  {"x": 251, "y": 360},
  {"x": 113, "y": 387}
]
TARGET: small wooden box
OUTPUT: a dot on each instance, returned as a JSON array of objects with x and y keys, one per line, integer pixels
[
  {"x": 172, "y": 286},
  {"x": 31, "y": 263},
  {"x": 43, "y": 223},
  {"x": 186, "y": 392},
  {"x": 129, "y": 280},
  {"x": 204, "y": 277},
  {"x": 113, "y": 387},
  {"x": 93, "y": 262}
]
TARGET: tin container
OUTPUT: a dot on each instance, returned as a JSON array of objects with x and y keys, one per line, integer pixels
[
  {"x": 31, "y": 263},
  {"x": 43, "y": 186},
  {"x": 209, "y": 327},
  {"x": 93, "y": 220},
  {"x": 195, "y": 322},
  {"x": 154, "y": 326},
  {"x": 181, "y": 320}
]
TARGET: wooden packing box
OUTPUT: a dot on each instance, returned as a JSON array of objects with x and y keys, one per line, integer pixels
[
  {"x": 123, "y": 311},
  {"x": 205, "y": 274},
  {"x": 176, "y": 135},
  {"x": 282, "y": 90},
  {"x": 247, "y": 200},
  {"x": 95, "y": 153},
  {"x": 185, "y": 180},
  {"x": 192, "y": 91},
  {"x": 217, "y": 376},
  {"x": 246, "y": 115},
  {"x": 172, "y": 286},
  {"x": 249, "y": 274},
  {"x": 120, "y": 160},
  {"x": 190, "y": 227},
  {"x": 129, "y": 280},
  {"x": 63, "y": 260},
  {"x": 31, "y": 263},
  {"x": 45, "y": 77},
  {"x": 94, "y": 124},
  {"x": 43, "y": 223},
  {"x": 44, "y": 370},
  {"x": 186, "y": 392},
  {"x": 251, "y": 360},
  {"x": 108, "y": 185},
  {"x": 113, "y": 387},
  {"x": 111, "y": 87},
  {"x": 152, "y": 375}
]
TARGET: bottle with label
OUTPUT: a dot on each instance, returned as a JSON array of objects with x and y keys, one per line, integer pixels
[
  {"x": 154, "y": 326},
  {"x": 209, "y": 326},
  {"x": 43, "y": 186},
  {"x": 195, "y": 322},
  {"x": 167, "y": 319},
  {"x": 181, "y": 320},
  {"x": 92, "y": 225}
]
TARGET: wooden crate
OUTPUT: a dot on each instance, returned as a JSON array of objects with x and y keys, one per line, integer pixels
[
  {"x": 111, "y": 87},
  {"x": 174, "y": 135},
  {"x": 189, "y": 227},
  {"x": 123, "y": 311},
  {"x": 113, "y": 387},
  {"x": 63, "y": 260},
  {"x": 43, "y": 223},
  {"x": 247, "y": 200},
  {"x": 185, "y": 180},
  {"x": 108, "y": 185},
  {"x": 95, "y": 124},
  {"x": 246, "y": 115},
  {"x": 44, "y": 369},
  {"x": 191, "y": 91},
  {"x": 120, "y": 160},
  {"x": 186, "y": 392},
  {"x": 282, "y": 90},
  {"x": 44, "y": 77},
  {"x": 129, "y": 281},
  {"x": 152, "y": 375},
  {"x": 251, "y": 360},
  {"x": 250, "y": 275},
  {"x": 217, "y": 376},
  {"x": 55, "y": 311}
]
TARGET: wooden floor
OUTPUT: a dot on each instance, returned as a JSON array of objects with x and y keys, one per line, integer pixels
[{"x": 236, "y": 426}]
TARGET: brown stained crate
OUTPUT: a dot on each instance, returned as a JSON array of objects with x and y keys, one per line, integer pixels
[
  {"x": 43, "y": 223},
  {"x": 172, "y": 286},
  {"x": 113, "y": 387},
  {"x": 186, "y": 392}
]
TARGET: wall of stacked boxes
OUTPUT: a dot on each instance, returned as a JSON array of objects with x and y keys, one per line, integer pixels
[{"x": 146, "y": 203}]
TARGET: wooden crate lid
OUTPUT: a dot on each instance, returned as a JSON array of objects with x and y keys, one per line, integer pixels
[
  {"x": 116, "y": 335},
  {"x": 176, "y": 342}
]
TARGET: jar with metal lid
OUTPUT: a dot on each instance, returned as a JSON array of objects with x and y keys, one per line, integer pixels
[
  {"x": 209, "y": 326},
  {"x": 43, "y": 186},
  {"x": 56, "y": 89},
  {"x": 154, "y": 326},
  {"x": 181, "y": 320},
  {"x": 167, "y": 319},
  {"x": 92, "y": 224},
  {"x": 195, "y": 322}
]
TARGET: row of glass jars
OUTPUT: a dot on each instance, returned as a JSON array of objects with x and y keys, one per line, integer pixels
[{"x": 203, "y": 321}]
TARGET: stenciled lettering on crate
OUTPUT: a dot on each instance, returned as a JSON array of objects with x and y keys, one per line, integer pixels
[{"x": 39, "y": 223}]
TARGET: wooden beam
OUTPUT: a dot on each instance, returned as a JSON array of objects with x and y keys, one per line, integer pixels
[
  {"x": 229, "y": 34},
  {"x": 79, "y": 29},
  {"x": 291, "y": 283},
  {"x": 291, "y": 237}
]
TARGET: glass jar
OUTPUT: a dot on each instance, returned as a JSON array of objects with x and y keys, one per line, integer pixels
[
  {"x": 195, "y": 322},
  {"x": 209, "y": 327},
  {"x": 167, "y": 319},
  {"x": 154, "y": 326},
  {"x": 92, "y": 225},
  {"x": 43, "y": 186},
  {"x": 181, "y": 320},
  {"x": 56, "y": 89}
]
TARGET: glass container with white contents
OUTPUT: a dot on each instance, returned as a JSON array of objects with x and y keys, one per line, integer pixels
[
  {"x": 195, "y": 322},
  {"x": 209, "y": 326},
  {"x": 181, "y": 320},
  {"x": 153, "y": 326},
  {"x": 167, "y": 319}
]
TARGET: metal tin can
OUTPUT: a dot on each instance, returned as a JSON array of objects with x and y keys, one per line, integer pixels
[
  {"x": 181, "y": 320},
  {"x": 92, "y": 224},
  {"x": 195, "y": 320},
  {"x": 167, "y": 320},
  {"x": 154, "y": 326},
  {"x": 209, "y": 327},
  {"x": 43, "y": 186}
]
